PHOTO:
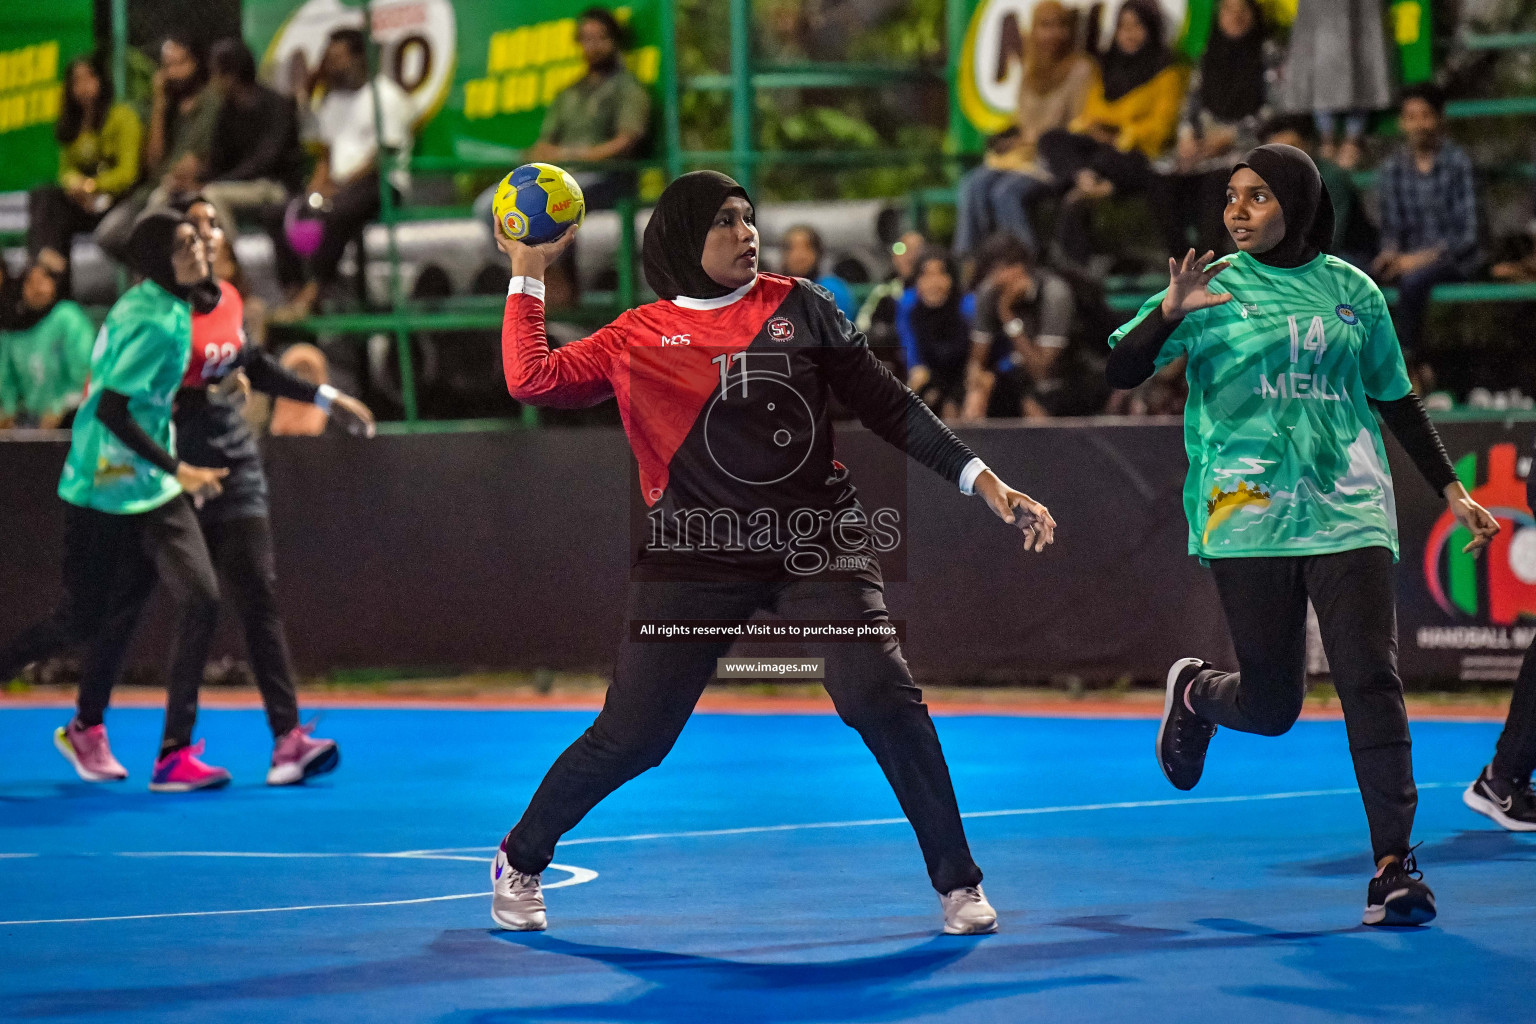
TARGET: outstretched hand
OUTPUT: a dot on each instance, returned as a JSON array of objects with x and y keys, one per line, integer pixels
[
  {"x": 353, "y": 416},
  {"x": 1187, "y": 285},
  {"x": 1017, "y": 509},
  {"x": 534, "y": 260}
]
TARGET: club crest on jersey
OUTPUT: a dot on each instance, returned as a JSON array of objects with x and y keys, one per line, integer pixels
[
  {"x": 780, "y": 329},
  {"x": 1346, "y": 313}
]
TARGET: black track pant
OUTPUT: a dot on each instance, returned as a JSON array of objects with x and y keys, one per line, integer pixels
[
  {"x": 656, "y": 686},
  {"x": 1265, "y": 600},
  {"x": 242, "y": 552},
  {"x": 111, "y": 563},
  {"x": 1515, "y": 756}
]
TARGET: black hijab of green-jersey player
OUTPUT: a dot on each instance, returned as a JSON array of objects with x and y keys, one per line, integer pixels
[
  {"x": 673, "y": 251},
  {"x": 1298, "y": 188}
]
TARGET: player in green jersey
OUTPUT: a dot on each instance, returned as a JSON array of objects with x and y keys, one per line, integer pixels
[
  {"x": 128, "y": 518},
  {"x": 1289, "y": 497}
]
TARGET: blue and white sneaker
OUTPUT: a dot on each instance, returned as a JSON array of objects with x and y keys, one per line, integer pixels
[{"x": 517, "y": 900}]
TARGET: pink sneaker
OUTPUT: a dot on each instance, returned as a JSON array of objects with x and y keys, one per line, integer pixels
[
  {"x": 89, "y": 752},
  {"x": 180, "y": 771},
  {"x": 297, "y": 756}
]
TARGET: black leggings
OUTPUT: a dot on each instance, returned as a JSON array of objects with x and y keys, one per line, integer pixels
[
  {"x": 241, "y": 550},
  {"x": 1067, "y": 153},
  {"x": 1515, "y": 756},
  {"x": 1265, "y": 600},
  {"x": 111, "y": 563},
  {"x": 656, "y": 686}
]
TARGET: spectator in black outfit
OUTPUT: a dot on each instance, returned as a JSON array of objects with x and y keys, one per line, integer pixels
[
  {"x": 936, "y": 321},
  {"x": 255, "y": 161},
  {"x": 1226, "y": 103}
]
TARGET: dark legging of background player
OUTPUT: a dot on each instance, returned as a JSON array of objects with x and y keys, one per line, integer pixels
[
  {"x": 241, "y": 550},
  {"x": 1265, "y": 600},
  {"x": 111, "y": 563},
  {"x": 1515, "y": 757},
  {"x": 656, "y": 686}
]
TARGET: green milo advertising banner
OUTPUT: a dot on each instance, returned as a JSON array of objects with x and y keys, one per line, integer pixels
[
  {"x": 480, "y": 73},
  {"x": 988, "y": 64},
  {"x": 37, "y": 40}
]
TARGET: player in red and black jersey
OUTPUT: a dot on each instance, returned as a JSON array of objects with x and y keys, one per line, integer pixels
[{"x": 723, "y": 387}]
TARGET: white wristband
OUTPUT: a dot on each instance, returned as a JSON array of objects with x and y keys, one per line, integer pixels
[
  {"x": 968, "y": 475},
  {"x": 529, "y": 286},
  {"x": 324, "y": 397}
]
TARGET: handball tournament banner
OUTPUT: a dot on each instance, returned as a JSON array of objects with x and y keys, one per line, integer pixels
[
  {"x": 479, "y": 73},
  {"x": 988, "y": 66},
  {"x": 37, "y": 40}
]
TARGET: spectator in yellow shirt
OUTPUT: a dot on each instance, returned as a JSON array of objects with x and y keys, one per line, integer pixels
[
  {"x": 1129, "y": 120},
  {"x": 98, "y": 162}
]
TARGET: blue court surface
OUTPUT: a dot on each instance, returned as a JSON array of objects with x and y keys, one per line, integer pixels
[{"x": 761, "y": 875}]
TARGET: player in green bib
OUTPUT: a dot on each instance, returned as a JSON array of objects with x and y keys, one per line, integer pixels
[
  {"x": 1289, "y": 497},
  {"x": 128, "y": 520}
]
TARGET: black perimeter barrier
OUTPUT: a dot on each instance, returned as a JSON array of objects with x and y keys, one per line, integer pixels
[{"x": 511, "y": 550}]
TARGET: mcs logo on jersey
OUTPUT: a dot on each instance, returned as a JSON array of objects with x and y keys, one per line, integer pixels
[{"x": 1504, "y": 590}]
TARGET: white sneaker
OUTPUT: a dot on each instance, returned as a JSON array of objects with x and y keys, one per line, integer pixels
[
  {"x": 517, "y": 900},
  {"x": 967, "y": 912}
]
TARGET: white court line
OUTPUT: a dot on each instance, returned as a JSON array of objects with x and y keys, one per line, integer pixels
[
  {"x": 578, "y": 877},
  {"x": 1010, "y": 813}
]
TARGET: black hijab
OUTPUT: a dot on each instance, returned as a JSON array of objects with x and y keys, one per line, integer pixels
[
  {"x": 1292, "y": 177},
  {"x": 673, "y": 249},
  {"x": 1123, "y": 71},
  {"x": 943, "y": 336},
  {"x": 23, "y": 317},
  {"x": 149, "y": 254},
  {"x": 1232, "y": 70}
]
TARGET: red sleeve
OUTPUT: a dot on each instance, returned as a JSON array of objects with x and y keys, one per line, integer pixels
[{"x": 570, "y": 377}]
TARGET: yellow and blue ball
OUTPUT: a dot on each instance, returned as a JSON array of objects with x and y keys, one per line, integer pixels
[{"x": 537, "y": 203}]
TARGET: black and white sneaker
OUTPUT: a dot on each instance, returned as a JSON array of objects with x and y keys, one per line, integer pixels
[
  {"x": 1398, "y": 897},
  {"x": 1509, "y": 803},
  {"x": 1183, "y": 737}
]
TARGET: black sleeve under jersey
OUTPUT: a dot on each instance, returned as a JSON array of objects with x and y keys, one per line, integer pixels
[
  {"x": 881, "y": 402},
  {"x": 112, "y": 411},
  {"x": 270, "y": 377},
  {"x": 1409, "y": 423},
  {"x": 1134, "y": 360}
]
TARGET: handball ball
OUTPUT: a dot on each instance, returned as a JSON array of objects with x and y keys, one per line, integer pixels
[{"x": 537, "y": 203}]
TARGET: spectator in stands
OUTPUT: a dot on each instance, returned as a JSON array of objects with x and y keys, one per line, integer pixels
[
  {"x": 1227, "y": 101},
  {"x": 604, "y": 115},
  {"x": 804, "y": 253},
  {"x": 1355, "y": 238},
  {"x": 182, "y": 113},
  {"x": 877, "y": 317},
  {"x": 934, "y": 323},
  {"x": 1338, "y": 66},
  {"x": 255, "y": 161},
  {"x": 98, "y": 161},
  {"x": 1025, "y": 358},
  {"x": 45, "y": 354},
  {"x": 1128, "y": 121},
  {"x": 1428, "y": 213},
  {"x": 1054, "y": 87},
  {"x": 345, "y": 182}
]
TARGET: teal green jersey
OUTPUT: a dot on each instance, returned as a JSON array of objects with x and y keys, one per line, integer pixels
[
  {"x": 141, "y": 352},
  {"x": 1285, "y": 456},
  {"x": 43, "y": 368}
]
